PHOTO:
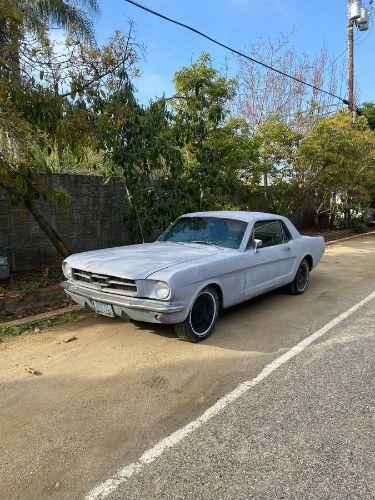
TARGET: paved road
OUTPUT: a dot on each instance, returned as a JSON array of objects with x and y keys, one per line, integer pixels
[
  {"x": 308, "y": 431},
  {"x": 108, "y": 396}
]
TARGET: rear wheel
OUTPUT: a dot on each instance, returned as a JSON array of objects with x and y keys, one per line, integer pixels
[
  {"x": 201, "y": 318},
  {"x": 301, "y": 280}
]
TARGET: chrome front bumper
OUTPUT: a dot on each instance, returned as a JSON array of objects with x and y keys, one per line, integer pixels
[{"x": 149, "y": 310}]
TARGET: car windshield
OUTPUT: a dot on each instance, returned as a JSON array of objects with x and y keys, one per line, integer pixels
[{"x": 226, "y": 233}]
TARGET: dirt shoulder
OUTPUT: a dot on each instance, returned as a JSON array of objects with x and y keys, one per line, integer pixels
[
  {"x": 335, "y": 234},
  {"x": 31, "y": 293}
]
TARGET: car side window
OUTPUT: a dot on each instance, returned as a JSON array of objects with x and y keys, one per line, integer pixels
[
  {"x": 270, "y": 232},
  {"x": 286, "y": 234}
]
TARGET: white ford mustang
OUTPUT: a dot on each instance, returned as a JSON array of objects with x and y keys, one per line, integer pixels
[{"x": 203, "y": 262}]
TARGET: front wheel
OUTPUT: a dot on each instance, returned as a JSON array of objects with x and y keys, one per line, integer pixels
[
  {"x": 201, "y": 318},
  {"x": 301, "y": 280}
]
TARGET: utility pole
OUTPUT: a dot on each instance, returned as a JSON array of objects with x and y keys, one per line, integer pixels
[
  {"x": 351, "y": 66},
  {"x": 358, "y": 16}
]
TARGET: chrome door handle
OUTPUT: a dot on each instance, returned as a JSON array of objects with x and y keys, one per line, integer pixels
[{"x": 286, "y": 249}]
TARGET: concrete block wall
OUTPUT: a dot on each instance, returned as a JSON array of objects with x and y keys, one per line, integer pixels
[{"x": 96, "y": 218}]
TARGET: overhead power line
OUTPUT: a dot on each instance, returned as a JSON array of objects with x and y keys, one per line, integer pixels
[{"x": 235, "y": 51}]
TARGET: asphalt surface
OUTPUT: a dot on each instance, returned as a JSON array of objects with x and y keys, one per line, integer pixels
[
  {"x": 308, "y": 431},
  {"x": 112, "y": 393}
]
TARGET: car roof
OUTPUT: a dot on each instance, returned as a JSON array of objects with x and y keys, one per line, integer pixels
[{"x": 236, "y": 214}]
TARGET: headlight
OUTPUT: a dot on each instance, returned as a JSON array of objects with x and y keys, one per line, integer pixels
[
  {"x": 162, "y": 290},
  {"x": 67, "y": 270}
]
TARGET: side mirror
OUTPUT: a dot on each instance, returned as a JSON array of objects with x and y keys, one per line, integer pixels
[{"x": 258, "y": 245}]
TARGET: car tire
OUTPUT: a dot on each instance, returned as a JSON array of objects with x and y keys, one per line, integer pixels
[
  {"x": 201, "y": 318},
  {"x": 301, "y": 279}
]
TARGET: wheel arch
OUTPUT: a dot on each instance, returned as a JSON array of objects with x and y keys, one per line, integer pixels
[
  {"x": 219, "y": 292},
  {"x": 310, "y": 261}
]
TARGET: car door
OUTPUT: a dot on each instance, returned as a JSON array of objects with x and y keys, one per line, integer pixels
[{"x": 272, "y": 264}]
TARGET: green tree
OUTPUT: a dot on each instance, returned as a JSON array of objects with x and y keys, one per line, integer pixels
[
  {"x": 71, "y": 15},
  {"x": 178, "y": 154},
  {"x": 368, "y": 109},
  {"x": 28, "y": 111},
  {"x": 46, "y": 111},
  {"x": 141, "y": 152},
  {"x": 277, "y": 142},
  {"x": 215, "y": 148},
  {"x": 27, "y": 22},
  {"x": 335, "y": 165}
]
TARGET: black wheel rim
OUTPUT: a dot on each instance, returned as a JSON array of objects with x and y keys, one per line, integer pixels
[
  {"x": 202, "y": 314},
  {"x": 302, "y": 277}
]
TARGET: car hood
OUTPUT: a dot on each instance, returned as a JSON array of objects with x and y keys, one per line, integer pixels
[{"x": 139, "y": 261}]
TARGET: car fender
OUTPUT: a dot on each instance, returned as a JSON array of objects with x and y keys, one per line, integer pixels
[
  {"x": 310, "y": 245},
  {"x": 223, "y": 270}
]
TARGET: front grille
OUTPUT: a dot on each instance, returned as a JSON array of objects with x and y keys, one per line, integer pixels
[{"x": 105, "y": 283}]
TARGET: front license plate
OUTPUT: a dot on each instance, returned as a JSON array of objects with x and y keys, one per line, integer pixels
[{"x": 104, "y": 309}]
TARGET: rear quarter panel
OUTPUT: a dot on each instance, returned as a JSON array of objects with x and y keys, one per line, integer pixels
[{"x": 311, "y": 245}]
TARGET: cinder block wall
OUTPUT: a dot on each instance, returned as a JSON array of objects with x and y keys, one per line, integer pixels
[{"x": 96, "y": 218}]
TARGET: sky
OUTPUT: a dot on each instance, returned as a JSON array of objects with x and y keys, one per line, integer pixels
[{"x": 236, "y": 23}]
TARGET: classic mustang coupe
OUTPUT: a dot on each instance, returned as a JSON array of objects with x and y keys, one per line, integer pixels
[{"x": 203, "y": 262}]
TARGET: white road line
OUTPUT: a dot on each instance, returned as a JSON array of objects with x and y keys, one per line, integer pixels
[{"x": 121, "y": 476}]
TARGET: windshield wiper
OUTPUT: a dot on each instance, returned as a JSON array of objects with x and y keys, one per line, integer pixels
[
  {"x": 171, "y": 241},
  {"x": 203, "y": 242}
]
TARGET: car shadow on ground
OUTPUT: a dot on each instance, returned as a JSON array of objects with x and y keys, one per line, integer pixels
[
  {"x": 158, "y": 329},
  {"x": 258, "y": 324},
  {"x": 252, "y": 326},
  {"x": 229, "y": 314}
]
